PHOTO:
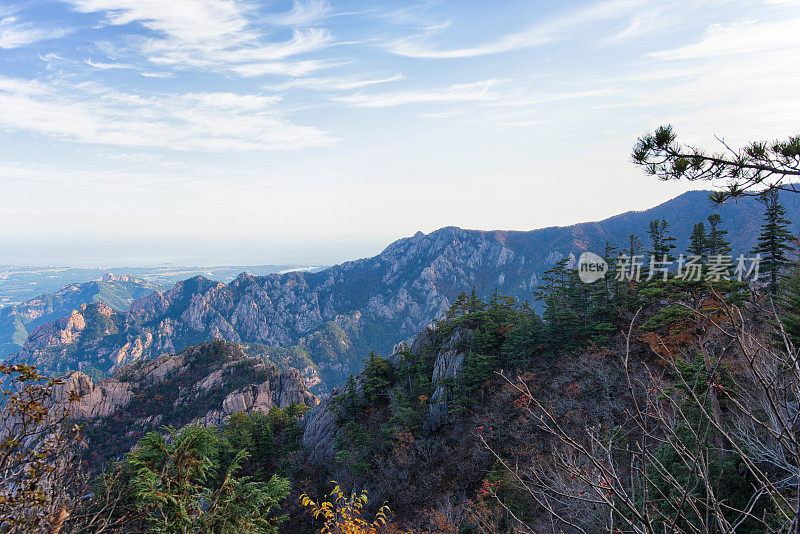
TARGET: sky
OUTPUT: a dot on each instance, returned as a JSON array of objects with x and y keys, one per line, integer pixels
[{"x": 317, "y": 131}]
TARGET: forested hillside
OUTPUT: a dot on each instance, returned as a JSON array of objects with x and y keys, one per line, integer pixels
[{"x": 632, "y": 403}]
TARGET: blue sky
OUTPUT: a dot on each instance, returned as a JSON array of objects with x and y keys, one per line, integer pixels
[{"x": 317, "y": 131}]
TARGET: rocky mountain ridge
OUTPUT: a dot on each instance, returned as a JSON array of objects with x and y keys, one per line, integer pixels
[
  {"x": 203, "y": 384},
  {"x": 325, "y": 322},
  {"x": 17, "y": 322}
]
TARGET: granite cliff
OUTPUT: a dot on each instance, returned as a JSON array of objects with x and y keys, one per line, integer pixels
[{"x": 202, "y": 384}]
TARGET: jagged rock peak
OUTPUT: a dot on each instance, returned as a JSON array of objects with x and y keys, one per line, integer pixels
[
  {"x": 203, "y": 384},
  {"x": 124, "y": 278}
]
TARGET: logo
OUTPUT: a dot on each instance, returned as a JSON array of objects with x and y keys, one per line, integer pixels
[{"x": 591, "y": 267}]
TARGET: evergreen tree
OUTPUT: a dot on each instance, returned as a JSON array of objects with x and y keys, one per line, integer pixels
[
  {"x": 717, "y": 245},
  {"x": 763, "y": 164},
  {"x": 474, "y": 303},
  {"x": 560, "y": 291},
  {"x": 634, "y": 246},
  {"x": 775, "y": 241},
  {"x": 171, "y": 482},
  {"x": 525, "y": 340},
  {"x": 459, "y": 307},
  {"x": 478, "y": 368},
  {"x": 661, "y": 241},
  {"x": 698, "y": 241},
  {"x": 348, "y": 402},
  {"x": 403, "y": 413},
  {"x": 554, "y": 279},
  {"x": 377, "y": 377},
  {"x": 602, "y": 303}
]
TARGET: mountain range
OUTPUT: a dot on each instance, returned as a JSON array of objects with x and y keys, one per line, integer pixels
[
  {"x": 19, "y": 320},
  {"x": 324, "y": 323}
]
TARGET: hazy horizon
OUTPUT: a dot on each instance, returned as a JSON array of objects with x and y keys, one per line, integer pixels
[{"x": 113, "y": 253}]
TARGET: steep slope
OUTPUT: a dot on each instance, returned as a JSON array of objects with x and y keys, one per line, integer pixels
[
  {"x": 401, "y": 431},
  {"x": 202, "y": 384},
  {"x": 18, "y": 321},
  {"x": 332, "y": 318}
]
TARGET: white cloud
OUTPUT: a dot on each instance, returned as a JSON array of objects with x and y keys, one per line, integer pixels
[
  {"x": 540, "y": 34},
  {"x": 739, "y": 38},
  {"x": 184, "y": 20},
  {"x": 210, "y": 34},
  {"x": 148, "y": 74},
  {"x": 286, "y": 68},
  {"x": 303, "y": 13},
  {"x": 641, "y": 24},
  {"x": 234, "y": 55},
  {"x": 106, "y": 66},
  {"x": 50, "y": 57},
  {"x": 466, "y": 92},
  {"x": 742, "y": 97},
  {"x": 15, "y": 33},
  {"x": 89, "y": 113},
  {"x": 332, "y": 83}
]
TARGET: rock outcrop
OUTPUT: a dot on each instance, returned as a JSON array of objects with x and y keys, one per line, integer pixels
[
  {"x": 203, "y": 384},
  {"x": 320, "y": 428},
  {"x": 449, "y": 362},
  {"x": 20, "y": 320},
  {"x": 321, "y": 425}
]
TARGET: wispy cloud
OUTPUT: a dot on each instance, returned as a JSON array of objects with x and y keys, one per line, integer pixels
[
  {"x": 640, "y": 24},
  {"x": 15, "y": 33},
  {"x": 552, "y": 30},
  {"x": 739, "y": 38},
  {"x": 303, "y": 13},
  {"x": 106, "y": 66},
  {"x": 332, "y": 83},
  {"x": 467, "y": 92},
  {"x": 157, "y": 74},
  {"x": 214, "y": 35},
  {"x": 213, "y": 121}
]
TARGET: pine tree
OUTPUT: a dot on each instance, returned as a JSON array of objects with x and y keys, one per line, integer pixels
[
  {"x": 661, "y": 241},
  {"x": 698, "y": 241},
  {"x": 554, "y": 280},
  {"x": 560, "y": 291},
  {"x": 634, "y": 246},
  {"x": 172, "y": 485},
  {"x": 525, "y": 340},
  {"x": 459, "y": 307},
  {"x": 601, "y": 301},
  {"x": 377, "y": 377},
  {"x": 775, "y": 241},
  {"x": 349, "y": 402},
  {"x": 474, "y": 304},
  {"x": 403, "y": 413},
  {"x": 716, "y": 237},
  {"x": 478, "y": 368},
  {"x": 754, "y": 166}
]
